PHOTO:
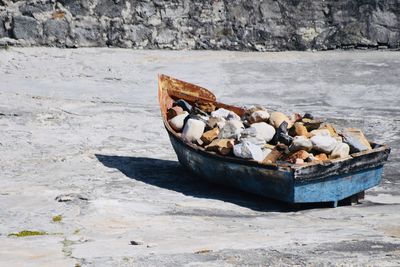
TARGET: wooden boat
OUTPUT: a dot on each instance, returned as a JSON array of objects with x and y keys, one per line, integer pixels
[{"x": 327, "y": 181}]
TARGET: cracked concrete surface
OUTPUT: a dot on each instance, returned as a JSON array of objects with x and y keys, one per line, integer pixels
[{"x": 84, "y": 126}]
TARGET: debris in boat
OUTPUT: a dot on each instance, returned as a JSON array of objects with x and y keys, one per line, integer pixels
[
  {"x": 248, "y": 150},
  {"x": 184, "y": 105},
  {"x": 173, "y": 112},
  {"x": 263, "y": 136},
  {"x": 356, "y": 140},
  {"x": 301, "y": 142},
  {"x": 210, "y": 135},
  {"x": 231, "y": 129},
  {"x": 193, "y": 130},
  {"x": 301, "y": 130},
  {"x": 277, "y": 118},
  {"x": 222, "y": 146},
  {"x": 301, "y": 154},
  {"x": 205, "y": 106},
  {"x": 263, "y": 131},
  {"x": 259, "y": 116},
  {"x": 341, "y": 150},
  {"x": 178, "y": 121},
  {"x": 323, "y": 143}
]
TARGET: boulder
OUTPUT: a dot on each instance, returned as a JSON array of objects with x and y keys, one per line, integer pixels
[
  {"x": 263, "y": 131},
  {"x": 259, "y": 116},
  {"x": 173, "y": 112},
  {"x": 231, "y": 129},
  {"x": 193, "y": 130},
  {"x": 301, "y": 143},
  {"x": 177, "y": 122},
  {"x": 341, "y": 150},
  {"x": 248, "y": 150},
  {"x": 323, "y": 143},
  {"x": 356, "y": 140},
  {"x": 222, "y": 146},
  {"x": 210, "y": 135},
  {"x": 27, "y": 28},
  {"x": 277, "y": 118}
]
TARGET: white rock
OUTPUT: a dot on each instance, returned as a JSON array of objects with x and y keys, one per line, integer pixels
[
  {"x": 220, "y": 113},
  {"x": 263, "y": 130},
  {"x": 177, "y": 121},
  {"x": 231, "y": 129},
  {"x": 323, "y": 143},
  {"x": 341, "y": 150},
  {"x": 233, "y": 116},
  {"x": 323, "y": 132},
  {"x": 193, "y": 130},
  {"x": 248, "y": 150},
  {"x": 225, "y": 114},
  {"x": 301, "y": 143},
  {"x": 259, "y": 116}
]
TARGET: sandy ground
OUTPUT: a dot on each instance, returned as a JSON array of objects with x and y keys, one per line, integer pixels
[{"x": 81, "y": 136}]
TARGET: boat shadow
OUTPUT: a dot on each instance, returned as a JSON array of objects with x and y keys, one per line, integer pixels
[{"x": 171, "y": 175}]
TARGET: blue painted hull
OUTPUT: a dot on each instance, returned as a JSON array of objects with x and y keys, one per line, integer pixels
[{"x": 275, "y": 182}]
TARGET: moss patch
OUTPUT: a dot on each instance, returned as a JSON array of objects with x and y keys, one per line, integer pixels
[
  {"x": 57, "y": 218},
  {"x": 25, "y": 233}
]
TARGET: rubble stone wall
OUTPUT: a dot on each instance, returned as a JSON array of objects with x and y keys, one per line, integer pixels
[{"x": 264, "y": 25}]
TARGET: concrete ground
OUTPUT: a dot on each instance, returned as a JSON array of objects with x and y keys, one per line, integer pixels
[{"x": 81, "y": 137}]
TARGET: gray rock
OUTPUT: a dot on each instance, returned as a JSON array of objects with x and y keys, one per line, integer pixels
[
  {"x": 32, "y": 9},
  {"x": 3, "y": 32},
  {"x": 248, "y": 150},
  {"x": 76, "y": 7},
  {"x": 112, "y": 9},
  {"x": 139, "y": 34},
  {"x": 88, "y": 33},
  {"x": 231, "y": 129},
  {"x": 250, "y": 135},
  {"x": 55, "y": 30},
  {"x": 27, "y": 28}
]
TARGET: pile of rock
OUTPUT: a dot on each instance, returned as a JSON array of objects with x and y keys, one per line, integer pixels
[{"x": 263, "y": 136}]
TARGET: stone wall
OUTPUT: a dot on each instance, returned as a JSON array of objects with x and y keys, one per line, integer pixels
[{"x": 264, "y": 25}]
